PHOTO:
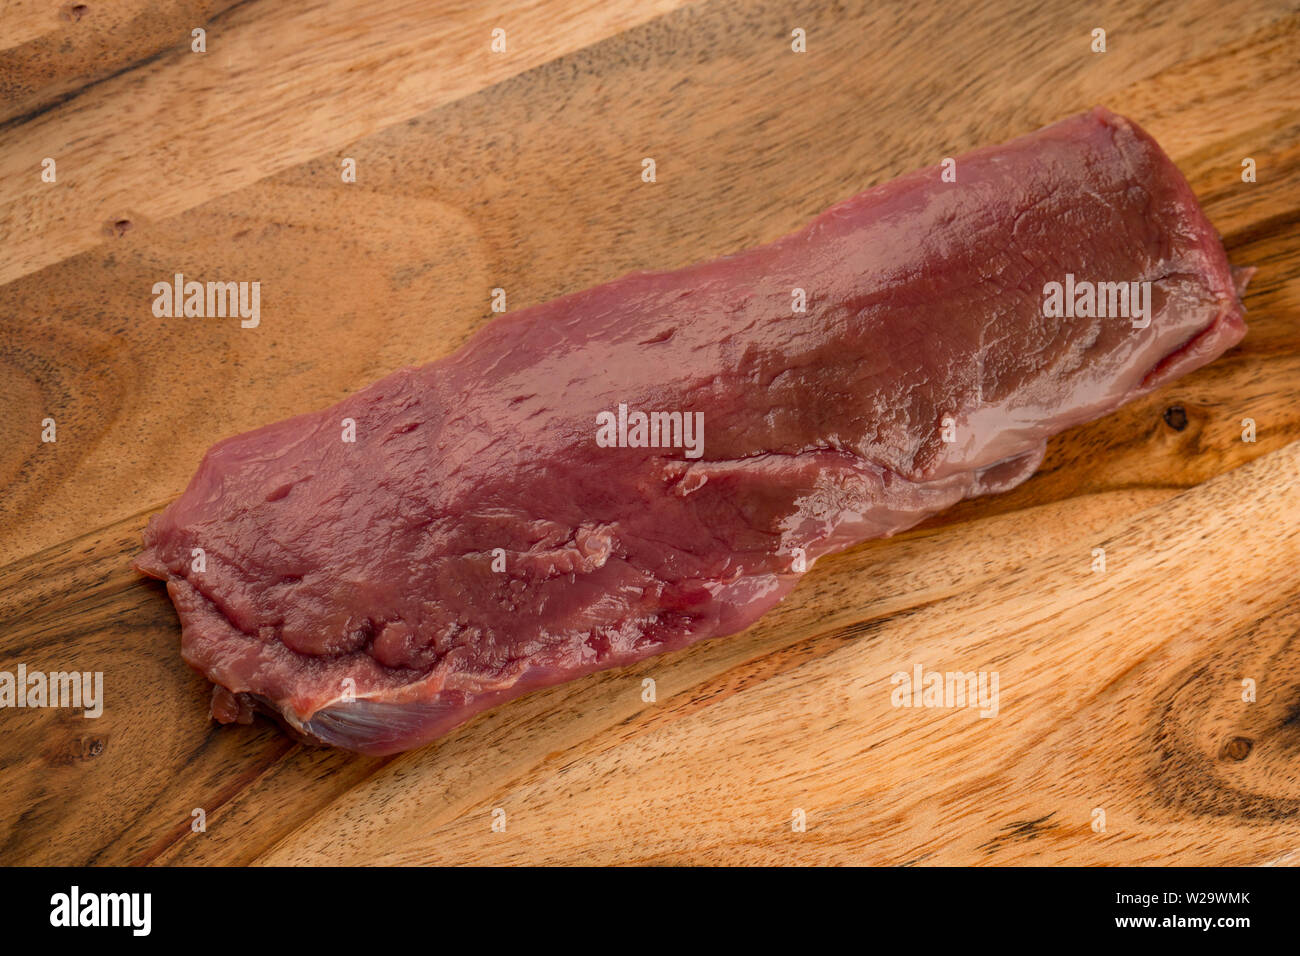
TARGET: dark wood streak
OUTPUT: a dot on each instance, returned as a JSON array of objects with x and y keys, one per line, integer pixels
[
  {"x": 50, "y": 51},
  {"x": 1020, "y": 831}
]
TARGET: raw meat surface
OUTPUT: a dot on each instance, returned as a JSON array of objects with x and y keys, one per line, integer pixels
[{"x": 349, "y": 587}]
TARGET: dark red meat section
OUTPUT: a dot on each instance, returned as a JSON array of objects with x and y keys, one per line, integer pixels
[{"x": 350, "y": 588}]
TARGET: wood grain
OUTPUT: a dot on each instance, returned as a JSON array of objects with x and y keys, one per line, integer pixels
[
  {"x": 276, "y": 85},
  {"x": 475, "y": 174}
]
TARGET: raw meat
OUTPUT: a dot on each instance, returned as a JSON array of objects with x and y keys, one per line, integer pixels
[{"x": 480, "y": 539}]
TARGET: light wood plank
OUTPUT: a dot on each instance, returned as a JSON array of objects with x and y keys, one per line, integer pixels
[{"x": 278, "y": 85}]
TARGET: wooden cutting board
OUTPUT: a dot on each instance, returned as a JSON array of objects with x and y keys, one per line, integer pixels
[{"x": 1124, "y": 732}]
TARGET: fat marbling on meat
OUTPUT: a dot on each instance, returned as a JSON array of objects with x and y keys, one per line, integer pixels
[{"x": 476, "y": 541}]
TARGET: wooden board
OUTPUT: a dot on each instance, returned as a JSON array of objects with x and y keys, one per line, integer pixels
[{"x": 1120, "y": 692}]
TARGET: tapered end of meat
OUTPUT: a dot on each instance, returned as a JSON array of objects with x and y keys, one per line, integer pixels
[
  {"x": 1198, "y": 285},
  {"x": 1201, "y": 255}
]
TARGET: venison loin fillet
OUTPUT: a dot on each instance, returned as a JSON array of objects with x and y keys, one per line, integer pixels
[{"x": 628, "y": 470}]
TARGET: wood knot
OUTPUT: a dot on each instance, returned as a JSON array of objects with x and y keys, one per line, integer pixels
[
  {"x": 75, "y": 11},
  {"x": 119, "y": 228},
  {"x": 1176, "y": 417},
  {"x": 1236, "y": 748}
]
